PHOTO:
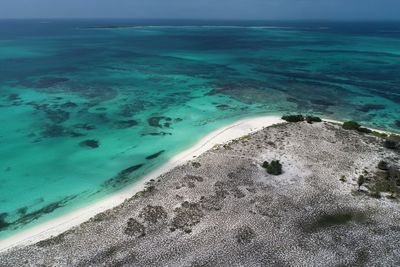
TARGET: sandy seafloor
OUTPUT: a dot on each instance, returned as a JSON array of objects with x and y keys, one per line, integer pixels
[{"x": 223, "y": 209}]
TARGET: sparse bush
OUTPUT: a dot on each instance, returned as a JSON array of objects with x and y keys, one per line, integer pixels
[
  {"x": 375, "y": 194},
  {"x": 293, "y": 118},
  {"x": 390, "y": 144},
  {"x": 360, "y": 181},
  {"x": 153, "y": 214},
  {"x": 275, "y": 168},
  {"x": 343, "y": 179},
  {"x": 382, "y": 165},
  {"x": 245, "y": 235},
  {"x": 265, "y": 164},
  {"x": 378, "y": 134},
  {"x": 311, "y": 119},
  {"x": 393, "y": 189},
  {"x": 351, "y": 125},
  {"x": 394, "y": 138},
  {"x": 364, "y": 130},
  {"x": 135, "y": 228}
]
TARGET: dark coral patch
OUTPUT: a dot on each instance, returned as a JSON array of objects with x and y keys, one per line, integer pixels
[
  {"x": 155, "y": 155},
  {"x": 90, "y": 143}
]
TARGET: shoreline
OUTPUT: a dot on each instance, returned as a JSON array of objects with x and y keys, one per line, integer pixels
[{"x": 72, "y": 219}]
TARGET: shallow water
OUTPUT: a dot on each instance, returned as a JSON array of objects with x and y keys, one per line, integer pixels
[{"x": 88, "y": 108}]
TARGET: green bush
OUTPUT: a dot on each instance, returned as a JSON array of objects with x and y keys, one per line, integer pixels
[
  {"x": 293, "y": 118},
  {"x": 265, "y": 164},
  {"x": 274, "y": 168},
  {"x": 364, "y": 130},
  {"x": 351, "y": 125},
  {"x": 311, "y": 119}
]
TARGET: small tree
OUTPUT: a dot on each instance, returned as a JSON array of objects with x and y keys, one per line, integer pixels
[{"x": 360, "y": 181}]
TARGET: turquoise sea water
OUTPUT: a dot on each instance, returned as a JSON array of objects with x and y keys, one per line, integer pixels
[{"x": 88, "y": 107}]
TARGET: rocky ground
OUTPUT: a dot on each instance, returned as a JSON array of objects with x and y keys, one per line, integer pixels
[{"x": 224, "y": 209}]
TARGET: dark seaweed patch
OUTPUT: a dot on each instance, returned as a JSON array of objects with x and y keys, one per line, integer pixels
[
  {"x": 53, "y": 130},
  {"x": 3, "y": 223},
  {"x": 126, "y": 124},
  {"x": 56, "y": 130},
  {"x": 157, "y": 134},
  {"x": 13, "y": 97},
  {"x": 129, "y": 170},
  {"x": 128, "y": 110},
  {"x": 47, "y": 82},
  {"x": 157, "y": 122},
  {"x": 90, "y": 143},
  {"x": 222, "y": 106},
  {"x": 397, "y": 123},
  {"x": 155, "y": 155},
  {"x": 85, "y": 126},
  {"x": 69, "y": 104},
  {"x": 322, "y": 102},
  {"x": 22, "y": 211},
  {"x": 353, "y": 52},
  {"x": 57, "y": 116},
  {"x": 122, "y": 178},
  {"x": 26, "y": 217},
  {"x": 369, "y": 107}
]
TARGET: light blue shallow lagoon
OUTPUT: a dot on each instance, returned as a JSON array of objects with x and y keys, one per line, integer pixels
[{"x": 89, "y": 107}]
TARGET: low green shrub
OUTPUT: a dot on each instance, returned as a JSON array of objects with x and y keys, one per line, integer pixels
[
  {"x": 293, "y": 118},
  {"x": 311, "y": 119},
  {"x": 351, "y": 125},
  {"x": 364, "y": 130}
]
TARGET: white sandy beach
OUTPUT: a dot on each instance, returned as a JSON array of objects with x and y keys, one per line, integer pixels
[{"x": 63, "y": 223}]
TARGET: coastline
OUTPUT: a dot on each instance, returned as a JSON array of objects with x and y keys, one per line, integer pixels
[
  {"x": 65, "y": 222},
  {"x": 74, "y": 218}
]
